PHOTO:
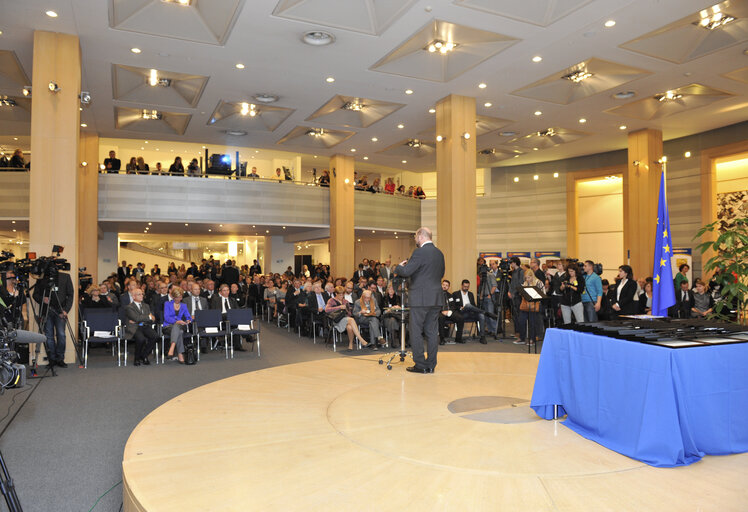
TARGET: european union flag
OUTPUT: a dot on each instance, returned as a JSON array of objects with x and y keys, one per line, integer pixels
[{"x": 663, "y": 292}]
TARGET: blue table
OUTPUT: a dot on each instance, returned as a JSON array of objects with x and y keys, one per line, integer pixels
[{"x": 665, "y": 407}]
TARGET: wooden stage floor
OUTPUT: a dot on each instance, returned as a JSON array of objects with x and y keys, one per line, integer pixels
[{"x": 345, "y": 434}]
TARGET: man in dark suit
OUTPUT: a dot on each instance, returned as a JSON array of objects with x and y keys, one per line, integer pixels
[
  {"x": 359, "y": 274},
  {"x": 123, "y": 271},
  {"x": 112, "y": 164},
  {"x": 316, "y": 302},
  {"x": 158, "y": 300},
  {"x": 255, "y": 268},
  {"x": 450, "y": 313},
  {"x": 139, "y": 327},
  {"x": 386, "y": 271},
  {"x": 230, "y": 274},
  {"x": 684, "y": 301},
  {"x": 425, "y": 269},
  {"x": 55, "y": 302},
  {"x": 195, "y": 301},
  {"x": 463, "y": 301},
  {"x": 210, "y": 290},
  {"x": 223, "y": 302}
]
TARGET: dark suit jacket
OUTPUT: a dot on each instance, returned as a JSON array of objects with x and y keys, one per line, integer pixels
[
  {"x": 187, "y": 299},
  {"x": 215, "y": 302},
  {"x": 358, "y": 274},
  {"x": 456, "y": 302},
  {"x": 683, "y": 307},
  {"x": 133, "y": 317},
  {"x": 385, "y": 272},
  {"x": 65, "y": 295},
  {"x": 311, "y": 301},
  {"x": 116, "y": 163},
  {"x": 157, "y": 306},
  {"x": 230, "y": 275},
  {"x": 425, "y": 268},
  {"x": 626, "y": 300}
]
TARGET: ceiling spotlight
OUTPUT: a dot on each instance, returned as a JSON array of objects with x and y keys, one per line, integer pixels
[
  {"x": 481, "y": 86},
  {"x": 432, "y": 111},
  {"x": 84, "y": 125},
  {"x": 177, "y": 2},
  {"x": 315, "y": 132},
  {"x": 516, "y": 179},
  {"x": 240, "y": 66},
  {"x": 622, "y": 127},
  {"x": 414, "y": 143},
  {"x": 248, "y": 109},
  {"x": 668, "y": 96},
  {"x": 537, "y": 58},
  {"x": 51, "y": 14},
  {"x": 374, "y": 139},
  {"x": 353, "y": 150},
  {"x": 8, "y": 102},
  {"x": 442, "y": 47},
  {"x": 466, "y": 135},
  {"x": 439, "y": 138},
  {"x": 135, "y": 50},
  {"x": 366, "y": 158},
  {"x": 405, "y": 161},
  {"x": 536, "y": 177},
  {"x": 53, "y": 87},
  {"x": 265, "y": 98},
  {"x": 151, "y": 115},
  {"x": 329, "y": 79},
  {"x": 85, "y": 97},
  {"x": 582, "y": 120},
  {"x": 555, "y": 175},
  {"x": 538, "y": 113},
  {"x": 490, "y": 151},
  {"x": 401, "y": 126},
  {"x": 535, "y": 149},
  {"x": 687, "y": 154},
  {"x": 354, "y": 105},
  {"x": 27, "y": 90},
  {"x": 318, "y": 38},
  {"x": 713, "y": 18},
  {"x": 408, "y": 91},
  {"x": 610, "y": 23},
  {"x": 488, "y": 104},
  {"x": 578, "y": 76},
  {"x": 346, "y": 181}
]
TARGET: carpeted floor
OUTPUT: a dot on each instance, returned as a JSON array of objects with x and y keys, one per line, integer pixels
[{"x": 64, "y": 445}]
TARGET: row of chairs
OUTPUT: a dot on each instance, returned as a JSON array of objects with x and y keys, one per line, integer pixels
[{"x": 105, "y": 326}]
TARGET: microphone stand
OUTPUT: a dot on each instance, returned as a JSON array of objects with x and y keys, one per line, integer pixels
[{"x": 402, "y": 352}]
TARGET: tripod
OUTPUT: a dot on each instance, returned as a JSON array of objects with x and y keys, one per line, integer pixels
[
  {"x": 402, "y": 352},
  {"x": 50, "y": 298},
  {"x": 501, "y": 306},
  {"x": 8, "y": 488}
]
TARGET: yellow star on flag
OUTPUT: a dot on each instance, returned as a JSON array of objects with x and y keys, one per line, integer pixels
[
  {"x": 662, "y": 262},
  {"x": 664, "y": 234},
  {"x": 667, "y": 248},
  {"x": 657, "y": 279}
]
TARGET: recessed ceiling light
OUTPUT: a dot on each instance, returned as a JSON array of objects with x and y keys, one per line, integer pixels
[
  {"x": 408, "y": 91},
  {"x": 353, "y": 150},
  {"x": 209, "y": 230},
  {"x": 534, "y": 149},
  {"x": 622, "y": 127},
  {"x": 1, "y": 32},
  {"x": 221, "y": 225},
  {"x": 329, "y": 79},
  {"x": 537, "y": 58},
  {"x": 266, "y": 98},
  {"x": 366, "y": 158},
  {"x": 267, "y": 231},
  {"x": 186, "y": 224},
  {"x": 84, "y": 125},
  {"x": 432, "y": 111},
  {"x": 240, "y": 66},
  {"x": 536, "y": 177},
  {"x": 687, "y": 154},
  {"x": 482, "y": 85},
  {"x": 135, "y": 50},
  {"x": 516, "y": 179},
  {"x": 318, "y": 38},
  {"x": 538, "y": 113},
  {"x": 51, "y": 14},
  {"x": 405, "y": 161},
  {"x": 582, "y": 120},
  {"x": 488, "y": 104},
  {"x": 401, "y": 126},
  {"x": 610, "y": 23},
  {"x": 624, "y": 95},
  {"x": 555, "y": 175},
  {"x": 150, "y": 223}
]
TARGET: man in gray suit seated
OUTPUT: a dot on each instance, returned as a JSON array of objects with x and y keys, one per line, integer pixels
[
  {"x": 139, "y": 327},
  {"x": 425, "y": 269}
]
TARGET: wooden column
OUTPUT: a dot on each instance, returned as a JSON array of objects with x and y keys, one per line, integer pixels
[
  {"x": 88, "y": 203},
  {"x": 55, "y": 124},
  {"x": 342, "y": 233},
  {"x": 455, "y": 187},
  {"x": 641, "y": 187}
]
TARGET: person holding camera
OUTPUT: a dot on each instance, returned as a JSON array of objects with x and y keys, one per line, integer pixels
[
  {"x": 55, "y": 300},
  {"x": 571, "y": 299}
]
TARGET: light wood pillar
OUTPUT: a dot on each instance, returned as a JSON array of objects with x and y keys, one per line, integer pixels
[
  {"x": 55, "y": 124},
  {"x": 455, "y": 187},
  {"x": 342, "y": 233},
  {"x": 641, "y": 187},
  {"x": 88, "y": 203}
]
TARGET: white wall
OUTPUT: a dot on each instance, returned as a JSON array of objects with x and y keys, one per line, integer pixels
[
  {"x": 108, "y": 256},
  {"x": 600, "y": 224},
  {"x": 281, "y": 254}
]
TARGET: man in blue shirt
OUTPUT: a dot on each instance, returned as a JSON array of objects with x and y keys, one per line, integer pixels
[{"x": 593, "y": 292}]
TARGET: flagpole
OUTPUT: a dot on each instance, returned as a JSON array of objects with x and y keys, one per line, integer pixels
[{"x": 663, "y": 162}]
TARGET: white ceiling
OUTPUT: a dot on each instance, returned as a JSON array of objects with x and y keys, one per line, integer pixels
[{"x": 277, "y": 62}]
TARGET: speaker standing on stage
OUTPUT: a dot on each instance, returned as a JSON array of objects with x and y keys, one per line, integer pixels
[{"x": 425, "y": 269}]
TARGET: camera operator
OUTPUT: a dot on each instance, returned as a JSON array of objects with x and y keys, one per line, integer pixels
[
  {"x": 488, "y": 293},
  {"x": 515, "y": 284},
  {"x": 13, "y": 299},
  {"x": 56, "y": 297}
]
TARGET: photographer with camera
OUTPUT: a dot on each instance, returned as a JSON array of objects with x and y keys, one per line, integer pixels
[
  {"x": 12, "y": 298},
  {"x": 55, "y": 295},
  {"x": 487, "y": 287}
]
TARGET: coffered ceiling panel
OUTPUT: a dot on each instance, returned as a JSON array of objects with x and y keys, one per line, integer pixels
[
  {"x": 237, "y": 116},
  {"x": 580, "y": 81},
  {"x": 132, "y": 119},
  {"x": 548, "y": 138},
  {"x": 701, "y": 33},
  {"x": 537, "y": 12},
  {"x": 315, "y": 138},
  {"x": 354, "y": 112},
  {"x": 411, "y": 148},
  {"x": 202, "y": 21},
  {"x": 12, "y": 75},
  {"x": 670, "y": 102},
  {"x": 489, "y": 156},
  {"x": 486, "y": 124},
  {"x": 20, "y": 112},
  {"x": 741, "y": 75},
  {"x": 418, "y": 56},
  {"x": 171, "y": 89},
  {"x": 367, "y": 16}
]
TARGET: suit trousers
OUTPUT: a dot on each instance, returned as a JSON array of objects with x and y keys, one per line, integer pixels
[
  {"x": 145, "y": 341},
  {"x": 176, "y": 336},
  {"x": 424, "y": 323},
  {"x": 444, "y": 325}
]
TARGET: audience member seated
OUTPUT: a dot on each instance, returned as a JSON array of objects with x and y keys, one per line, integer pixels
[
  {"x": 367, "y": 311},
  {"x": 391, "y": 314},
  {"x": 571, "y": 298},
  {"x": 450, "y": 314},
  {"x": 464, "y": 302},
  {"x": 622, "y": 295},
  {"x": 108, "y": 296},
  {"x": 158, "y": 301},
  {"x": 235, "y": 294},
  {"x": 195, "y": 301},
  {"x": 684, "y": 301},
  {"x": 93, "y": 300},
  {"x": 177, "y": 169},
  {"x": 271, "y": 298},
  {"x": 645, "y": 299},
  {"x": 176, "y": 321},
  {"x": 223, "y": 302},
  {"x": 344, "y": 322},
  {"x": 139, "y": 327},
  {"x": 703, "y": 302}
]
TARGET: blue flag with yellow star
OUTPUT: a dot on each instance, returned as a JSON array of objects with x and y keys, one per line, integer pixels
[{"x": 663, "y": 292}]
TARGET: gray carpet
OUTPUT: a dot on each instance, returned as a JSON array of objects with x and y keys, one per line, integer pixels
[{"x": 64, "y": 448}]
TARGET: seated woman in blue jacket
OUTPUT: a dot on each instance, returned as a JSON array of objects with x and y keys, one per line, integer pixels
[{"x": 176, "y": 320}]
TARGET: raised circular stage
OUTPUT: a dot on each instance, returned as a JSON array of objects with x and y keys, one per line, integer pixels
[{"x": 346, "y": 434}]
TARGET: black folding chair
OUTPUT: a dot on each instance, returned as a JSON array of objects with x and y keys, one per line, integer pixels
[
  {"x": 210, "y": 319},
  {"x": 238, "y": 318},
  {"x": 96, "y": 323}
]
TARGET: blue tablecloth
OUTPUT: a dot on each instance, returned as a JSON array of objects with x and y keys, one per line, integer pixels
[{"x": 665, "y": 407}]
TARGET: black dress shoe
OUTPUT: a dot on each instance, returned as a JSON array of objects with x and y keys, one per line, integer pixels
[
  {"x": 483, "y": 340},
  {"x": 442, "y": 342},
  {"x": 146, "y": 361},
  {"x": 418, "y": 369},
  {"x": 137, "y": 362},
  {"x": 61, "y": 363}
]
